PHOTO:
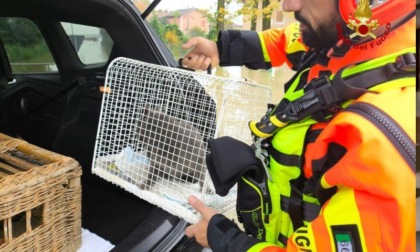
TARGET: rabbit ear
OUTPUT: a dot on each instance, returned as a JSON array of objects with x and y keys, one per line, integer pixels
[
  {"x": 150, "y": 112},
  {"x": 159, "y": 108},
  {"x": 145, "y": 110},
  {"x": 152, "y": 108}
]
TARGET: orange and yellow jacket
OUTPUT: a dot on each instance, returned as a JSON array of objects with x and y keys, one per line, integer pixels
[{"x": 344, "y": 184}]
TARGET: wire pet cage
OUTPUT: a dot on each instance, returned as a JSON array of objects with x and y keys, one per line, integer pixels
[{"x": 154, "y": 126}]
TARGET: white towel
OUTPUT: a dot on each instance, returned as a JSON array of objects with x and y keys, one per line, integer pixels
[{"x": 92, "y": 242}]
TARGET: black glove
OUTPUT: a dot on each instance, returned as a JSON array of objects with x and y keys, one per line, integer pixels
[{"x": 228, "y": 160}]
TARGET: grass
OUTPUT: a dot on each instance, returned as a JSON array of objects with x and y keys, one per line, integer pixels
[{"x": 24, "y": 59}]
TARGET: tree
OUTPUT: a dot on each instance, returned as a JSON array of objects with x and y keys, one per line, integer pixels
[
  {"x": 221, "y": 11},
  {"x": 174, "y": 38},
  {"x": 225, "y": 17},
  {"x": 212, "y": 18},
  {"x": 157, "y": 25},
  {"x": 196, "y": 32},
  {"x": 171, "y": 38},
  {"x": 19, "y": 30},
  {"x": 254, "y": 16},
  {"x": 5, "y": 30},
  {"x": 173, "y": 28},
  {"x": 266, "y": 17},
  {"x": 251, "y": 10},
  {"x": 23, "y": 41}
]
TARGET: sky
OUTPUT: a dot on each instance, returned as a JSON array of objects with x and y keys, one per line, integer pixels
[
  {"x": 184, "y": 4},
  {"x": 199, "y": 4}
]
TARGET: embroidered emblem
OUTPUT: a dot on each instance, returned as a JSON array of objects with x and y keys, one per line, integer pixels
[{"x": 362, "y": 25}]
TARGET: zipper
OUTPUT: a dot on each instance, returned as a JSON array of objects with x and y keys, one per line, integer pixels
[
  {"x": 266, "y": 204},
  {"x": 390, "y": 128}
]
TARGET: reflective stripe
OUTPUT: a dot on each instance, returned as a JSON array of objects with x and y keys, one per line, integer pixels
[
  {"x": 324, "y": 183},
  {"x": 343, "y": 203},
  {"x": 290, "y": 43},
  {"x": 292, "y": 35},
  {"x": 303, "y": 240},
  {"x": 264, "y": 48}
]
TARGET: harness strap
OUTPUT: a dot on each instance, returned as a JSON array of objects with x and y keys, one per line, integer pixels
[
  {"x": 404, "y": 64},
  {"x": 295, "y": 208},
  {"x": 292, "y": 159},
  {"x": 309, "y": 210},
  {"x": 306, "y": 212},
  {"x": 323, "y": 97},
  {"x": 283, "y": 158},
  {"x": 283, "y": 239}
]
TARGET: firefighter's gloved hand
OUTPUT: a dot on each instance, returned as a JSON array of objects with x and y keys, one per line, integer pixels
[{"x": 228, "y": 160}]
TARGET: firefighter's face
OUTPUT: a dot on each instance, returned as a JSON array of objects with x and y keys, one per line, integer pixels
[{"x": 318, "y": 19}]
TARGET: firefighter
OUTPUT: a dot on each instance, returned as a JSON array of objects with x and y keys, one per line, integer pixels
[{"x": 334, "y": 162}]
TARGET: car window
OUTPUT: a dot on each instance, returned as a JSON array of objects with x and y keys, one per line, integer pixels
[
  {"x": 175, "y": 22},
  {"x": 25, "y": 47},
  {"x": 92, "y": 44}
]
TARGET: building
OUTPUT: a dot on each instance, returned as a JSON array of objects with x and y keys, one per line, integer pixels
[{"x": 187, "y": 19}]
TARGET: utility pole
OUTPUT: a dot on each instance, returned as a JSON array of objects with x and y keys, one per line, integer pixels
[
  {"x": 220, "y": 17},
  {"x": 188, "y": 21}
]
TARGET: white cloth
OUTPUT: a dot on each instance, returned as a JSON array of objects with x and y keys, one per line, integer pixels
[{"x": 92, "y": 242}]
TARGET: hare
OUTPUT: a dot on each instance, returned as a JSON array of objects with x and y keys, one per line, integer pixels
[{"x": 175, "y": 148}]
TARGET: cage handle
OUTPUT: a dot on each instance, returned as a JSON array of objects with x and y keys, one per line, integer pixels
[{"x": 190, "y": 69}]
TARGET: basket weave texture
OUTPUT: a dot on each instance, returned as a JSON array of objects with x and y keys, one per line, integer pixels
[{"x": 40, "y": 198}]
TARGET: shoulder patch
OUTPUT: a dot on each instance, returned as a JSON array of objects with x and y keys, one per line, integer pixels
[{"x": 346, "y": 238}]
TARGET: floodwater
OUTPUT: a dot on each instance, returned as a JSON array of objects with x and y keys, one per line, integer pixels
[{"x": 273, "y": 78}]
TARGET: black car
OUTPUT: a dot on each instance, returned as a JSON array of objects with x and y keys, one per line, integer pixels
[{"x": 53, "y": 61}]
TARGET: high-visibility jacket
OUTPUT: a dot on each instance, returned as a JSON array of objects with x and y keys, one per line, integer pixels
[{"x": 357, "y": 166}]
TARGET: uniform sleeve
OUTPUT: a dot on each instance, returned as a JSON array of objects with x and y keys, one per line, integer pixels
[
  {"x": 225, "y": 236},
  {"x": 241, "y": 48},
  {"x": 283, "y": 46},
  {"x": 262, "y": 50}
]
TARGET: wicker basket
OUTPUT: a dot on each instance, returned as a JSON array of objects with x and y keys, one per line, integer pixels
[{"x": 40, "y": 199}]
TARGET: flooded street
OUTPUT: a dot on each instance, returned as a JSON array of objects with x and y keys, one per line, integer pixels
[{"x": 273, "y": 78}]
